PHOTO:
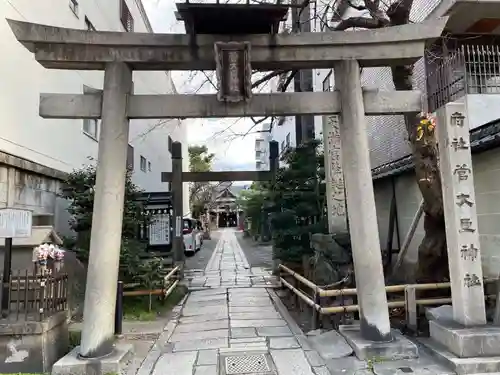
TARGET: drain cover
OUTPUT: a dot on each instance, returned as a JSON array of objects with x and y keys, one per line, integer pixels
[{"x": 246, "y": 364}]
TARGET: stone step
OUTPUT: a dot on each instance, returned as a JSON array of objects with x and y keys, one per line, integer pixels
[{"x": 462, "y": 366}]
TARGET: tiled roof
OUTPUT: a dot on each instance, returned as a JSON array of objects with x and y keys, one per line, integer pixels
[{"x": 482, "y": 139}]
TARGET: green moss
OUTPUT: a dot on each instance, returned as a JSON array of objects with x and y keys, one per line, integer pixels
[{"x": 74, "y": 339}]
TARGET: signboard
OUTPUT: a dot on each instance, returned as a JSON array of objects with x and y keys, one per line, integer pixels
[
  {"x": 159, "y": 229},
  {"x": 15, "y": 223}
]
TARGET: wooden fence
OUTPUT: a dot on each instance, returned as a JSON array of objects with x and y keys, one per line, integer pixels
[{"x": 35, "y": 295}]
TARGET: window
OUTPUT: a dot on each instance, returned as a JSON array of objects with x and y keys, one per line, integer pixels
[
  {"x": 149, "y": 166},
  {"x": 73, "y": 5},
  {"x": 130, "y": 157},
  {"x": 90, "y": 125},
  {"x": 143, "y": 163},
  {"x": 88, "y": 25},
  {"x": 126, "y": 17}
]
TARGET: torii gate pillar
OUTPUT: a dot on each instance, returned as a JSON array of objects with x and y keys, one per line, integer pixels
[
  {"x": 370, "y": 284},
  {"x": 105, "y": 243}
]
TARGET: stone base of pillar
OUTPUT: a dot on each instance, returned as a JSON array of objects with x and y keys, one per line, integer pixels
[
  {"x": 399, "y": 348},
  {"x": 466, "y": 342},
  {"x": 462, "y": 366},
  {"x": 114, "y": 363}
]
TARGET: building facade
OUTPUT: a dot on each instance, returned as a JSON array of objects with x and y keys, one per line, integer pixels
[
  {"x": 64, "y": 145},
  {"x": 463, "y": 67},
  {"x": 262, "y": 140}
]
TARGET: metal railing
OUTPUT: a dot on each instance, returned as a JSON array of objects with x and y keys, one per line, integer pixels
[
  {"x": 410, "y": 302},
  {"x": 470, "y": 69},
  {"x": 36, "y": 295}
]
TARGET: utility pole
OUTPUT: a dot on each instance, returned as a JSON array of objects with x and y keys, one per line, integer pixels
[{"x": 303, "y": 80}]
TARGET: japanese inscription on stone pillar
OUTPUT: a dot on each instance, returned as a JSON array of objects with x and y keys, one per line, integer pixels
[
  {"x": 462, "y": 236},
  {"x": 334, "y": 176}
]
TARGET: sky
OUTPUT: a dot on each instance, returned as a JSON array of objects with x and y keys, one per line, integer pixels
[{"x": 223, "y": 137}]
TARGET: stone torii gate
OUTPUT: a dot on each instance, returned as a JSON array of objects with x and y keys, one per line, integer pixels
[{"x": 120, "y": 53}]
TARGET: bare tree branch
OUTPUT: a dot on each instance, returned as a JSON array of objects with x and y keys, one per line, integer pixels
[
  {"x": 267, "y": 77},
  {"x": 361, "y": 22},
  {"x": 357, "y": 7}
]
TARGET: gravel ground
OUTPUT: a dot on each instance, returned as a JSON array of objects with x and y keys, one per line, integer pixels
[
  {"x": 257, "y": 255},
  {"x": 200, "y": 260}
]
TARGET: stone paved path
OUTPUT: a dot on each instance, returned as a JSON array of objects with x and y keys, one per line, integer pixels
[{"x": 233, "y": 324}]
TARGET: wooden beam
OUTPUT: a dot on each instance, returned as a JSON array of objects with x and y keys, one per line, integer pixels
[
  {"x": 219, "y": 176},
  {"x": 70, "y": 106},
  {"x": 62, "y": 48}
]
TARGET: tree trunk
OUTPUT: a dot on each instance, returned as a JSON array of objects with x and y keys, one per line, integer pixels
[{"x": 432, "y": 252}]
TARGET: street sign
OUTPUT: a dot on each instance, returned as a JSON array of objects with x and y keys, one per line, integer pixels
[{"x": 15, "y": 223}]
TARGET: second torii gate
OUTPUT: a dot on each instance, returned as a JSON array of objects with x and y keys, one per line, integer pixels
[{"x": 120, "y": 53}]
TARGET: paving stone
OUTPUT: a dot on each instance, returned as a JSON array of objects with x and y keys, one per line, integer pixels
[
  {"x": 208, "y": 319},
  {"x": 254, "y": 315},
  {"x": 274, "y": 331},
  {"x": 213, "y": 343},
  {"x": 210, "y": 297},
  {"x": 204, "y": 370},
  {"x": 321, "y": 370},
  {"x": 147, "y": 365},
  {"x": 304, "y": 343},
  {"x": 243, "y": 350},
  {"x": 260, "y": 302},
  {"x": 243, "y": 332},
  {"x": 249, "y": 292},
  {"x": 251, "y": 309},
  {"x": 330, "y": 344},
  {"x": 283, "y": 343},
  {"x": 248, "y": 297},
  {"x": 314, "y": 358},
  {"x": 203, "y": 326},
  {"x": 250, "y": 346},
  {"x": 200, "y": 304},
  {"x": 175, "y": 364},
  {"x": 207, "y": 357},
  {"x": 291, "y": 361},
  {"x": 348, "y": 366},
  {"x": 190, "y": 336},
  {"x": 207, "y": 310},
  {"x": 258, "y": 323},
  {"x": 247, "y": 339}
]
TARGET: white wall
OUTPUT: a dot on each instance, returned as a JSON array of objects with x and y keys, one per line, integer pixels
[{"x": 61, "y": 144}]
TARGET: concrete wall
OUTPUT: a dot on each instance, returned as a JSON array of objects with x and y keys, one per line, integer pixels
[
  {"x": 22, "y": 187},
  {"x": 487, "y": 184},
  {"x": 62, "y": 144},
  {"x": 33, "y": 347}
]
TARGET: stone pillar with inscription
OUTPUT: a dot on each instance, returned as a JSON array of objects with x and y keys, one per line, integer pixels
[
  {"x": 334, "y": 176},
  {"x": 459, "y": 204},
  {"x": 465, "y": 333}
]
